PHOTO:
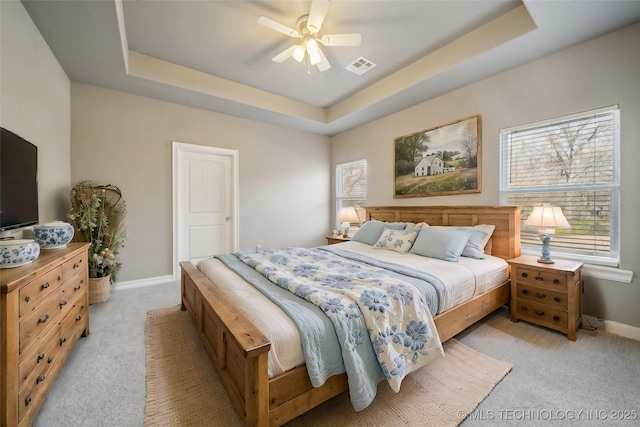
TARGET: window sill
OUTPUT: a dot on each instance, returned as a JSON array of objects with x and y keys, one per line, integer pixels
[{"x": 597, "y": 271}]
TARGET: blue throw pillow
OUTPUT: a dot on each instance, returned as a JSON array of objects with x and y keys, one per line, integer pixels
[
  {"x": 371, "y": 231},
  {"x": 474, "y": 247},
  {"x": 442, "y": 243}
]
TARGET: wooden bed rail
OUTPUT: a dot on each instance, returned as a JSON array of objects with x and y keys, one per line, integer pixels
[{"x": 237, "y": 348}]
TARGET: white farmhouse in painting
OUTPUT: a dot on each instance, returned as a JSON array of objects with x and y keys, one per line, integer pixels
[{"x": 431, "y": 164}]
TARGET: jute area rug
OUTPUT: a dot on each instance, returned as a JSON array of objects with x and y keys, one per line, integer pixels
[{"x": 183, "y": 387}]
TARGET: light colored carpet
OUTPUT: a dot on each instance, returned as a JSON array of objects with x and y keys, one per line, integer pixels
[{"x": 184, "y": 389}]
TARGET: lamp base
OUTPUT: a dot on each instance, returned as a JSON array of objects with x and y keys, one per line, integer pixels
[{"x": 546, "y": 261}]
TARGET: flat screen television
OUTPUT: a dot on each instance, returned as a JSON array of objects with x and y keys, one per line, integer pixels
[{"x": 18, "y": 182}]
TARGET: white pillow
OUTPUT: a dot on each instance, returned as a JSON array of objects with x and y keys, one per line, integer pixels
[{"x": 396, "y": 240}]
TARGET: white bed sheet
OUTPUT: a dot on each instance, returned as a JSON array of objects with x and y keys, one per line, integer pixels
[{"x": 463, "y": 280}]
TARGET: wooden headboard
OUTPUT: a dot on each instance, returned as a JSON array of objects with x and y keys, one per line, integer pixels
[{"x": 505, "y": 239}]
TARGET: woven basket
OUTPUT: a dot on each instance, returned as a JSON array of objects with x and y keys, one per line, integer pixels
[{"x": 99, "y": 289}]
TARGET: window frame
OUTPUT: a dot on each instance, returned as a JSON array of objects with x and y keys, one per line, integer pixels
[
  {"x": 613, "y": 259},
  {"x": 359, "y": 199}
]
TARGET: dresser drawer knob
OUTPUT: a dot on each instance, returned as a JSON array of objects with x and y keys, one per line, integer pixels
[
  {"x": 63, "y": 303},
  {"x": 539, "y": 278},
  {"x": 539, "y": 295},
  {"x": 77, "y": 288},
  {"x": 43, "y": 319},
  {"x": 40, "y": 379},
  {"x": 79, "y": 318},
  {"x": 556, "y": 318},
  {"x": 525, "y": 275},
  {"x": 525, "y": 292},
  {"x": 556, "y": 281},
  {"x": 40, "y": 357},
  {"x": 62, "y": 340},
  {"x": 556, "y": 299},
  {"x": 539, "y": 313},
  {"x": 45, "y": 285},
  {"x": 27, "y": 298},
  {"x": 27, "y": 401},
  {"x": 49, "y": 359},
  {"x": 59, "y": 278},
  {"x": 523, "y": 308}
]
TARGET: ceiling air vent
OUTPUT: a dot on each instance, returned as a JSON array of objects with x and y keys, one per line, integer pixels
[{"x": 360, "y": 66}]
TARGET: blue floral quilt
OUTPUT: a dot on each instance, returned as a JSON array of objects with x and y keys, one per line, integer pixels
[{"x": 384, "y": 326}]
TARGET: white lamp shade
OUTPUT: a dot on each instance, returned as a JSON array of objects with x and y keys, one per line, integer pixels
[
  {"x": 348, "y": 215},
  {"x": 298, "y": 53},
  {"x": 547, "y": 217}
]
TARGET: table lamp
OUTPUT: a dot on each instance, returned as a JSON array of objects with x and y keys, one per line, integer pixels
[
  {"x": 347, "y": 216},
  {"x": 546, "y": 219}
]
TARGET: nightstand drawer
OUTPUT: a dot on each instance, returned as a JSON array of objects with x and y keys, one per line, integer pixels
[
  {"x": 542, "y": 296},
  {"x": 541, "y": 313},
  {"x": 542, "y": 279}
]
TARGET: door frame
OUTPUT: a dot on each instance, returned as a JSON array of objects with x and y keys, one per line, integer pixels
[{"x": 179, "y": 148}]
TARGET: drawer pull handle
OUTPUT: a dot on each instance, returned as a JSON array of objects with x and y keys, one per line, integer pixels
[
  {"x": 523, "y": 308},
  {"x": 40, "y": 379},
  {"x": 539, "y": 278},
  {"x": 62, "y": 340},
  {"x": 27, "y": 401},
  {"x": 525, "y": 292},
  {"x": 556, "y": 299},
  {"x": 63, "y": 303},
  {"x": 59, "y": 278},
  {"x": 539, "y": 313},
  {"x": 556, "y": 318},
  {"x": 27, "y": 298},
  {"x": 43, "y": 319},
  {"x": 539, "y": 295},
  {"x": 525, "y": 275},
  {"x": 76, "y": 288},
  {"x": 49, "y": 359},
  {"x": 45, "y": 285},
  {"x": 79, "y": 318},
  {"x": 556, "y": 281},
  {"x": 40, "y": 357}
]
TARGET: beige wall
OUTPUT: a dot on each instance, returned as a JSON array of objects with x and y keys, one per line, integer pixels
[
  {"x": 601, "y": 72},
  {"x": 34, "y": 103},
  {"x": 125, "y": 140}
]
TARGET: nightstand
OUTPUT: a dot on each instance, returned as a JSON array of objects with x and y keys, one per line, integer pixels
[
  {"x": 332, "y": 240},
  {"x": 547, "y": 294}
]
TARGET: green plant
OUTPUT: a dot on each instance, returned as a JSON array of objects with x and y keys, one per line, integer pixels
[{"x": 97, "y": 213}]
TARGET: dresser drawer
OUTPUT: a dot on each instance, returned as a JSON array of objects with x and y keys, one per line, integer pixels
[
  {"x": 73, "y": 324},
  {"x": 542, "y": 296},
  {"x": 542, "y": 279},
  {"x": 42, "y": 353},
  {"x": 541, "y": 314},
  {"x": 38, "y": 290},
  {"x": 41, "y": 319},
  {"x": 74, "y": 265}
]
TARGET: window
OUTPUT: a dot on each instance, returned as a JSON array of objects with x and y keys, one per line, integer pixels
[
  {"x": 351, "y": 185},
  {"x": 571, "y": 162}
]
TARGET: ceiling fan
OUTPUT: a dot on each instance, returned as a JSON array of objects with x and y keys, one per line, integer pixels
[{"x": 308, "y": 31}]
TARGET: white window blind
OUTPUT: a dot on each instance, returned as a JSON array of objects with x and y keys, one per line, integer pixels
[
  {"x": 351, "y": 185},
  {"x": 571, "y": 162}
]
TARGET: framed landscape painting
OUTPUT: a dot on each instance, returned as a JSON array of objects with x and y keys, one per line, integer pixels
[{"x": 439, "y": 161}]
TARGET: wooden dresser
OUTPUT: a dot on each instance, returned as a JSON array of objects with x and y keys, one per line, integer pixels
[
  {"x": 547, "y": 294},
  {"x": 44, "y": 309}
]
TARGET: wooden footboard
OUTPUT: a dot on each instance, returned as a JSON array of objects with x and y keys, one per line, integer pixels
[{"x": 239, "y": 350}]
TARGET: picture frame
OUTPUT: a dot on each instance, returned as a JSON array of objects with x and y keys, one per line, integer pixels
[{"x": 439, "y": 161}]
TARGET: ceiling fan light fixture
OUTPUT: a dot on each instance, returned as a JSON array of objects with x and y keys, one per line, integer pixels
[
  {"x": 312, "y": 46},
  {"x": 298, "y": 53},
  {"x": 314, "y": 58}
]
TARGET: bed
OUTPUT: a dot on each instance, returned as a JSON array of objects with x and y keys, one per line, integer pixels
[{"x": 240, "y": 350}]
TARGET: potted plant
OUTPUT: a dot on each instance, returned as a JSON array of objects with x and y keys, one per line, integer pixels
[{"x": 97, "y": 213}]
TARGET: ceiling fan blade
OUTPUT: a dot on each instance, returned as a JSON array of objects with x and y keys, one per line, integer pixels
[
  {"x": 341, "y": 39},
  {"x": 283, "y": 56},
  {"x": 316, "y": 15},
  {"x": 270, "y": 23},
  {"x": 323, "y": 65}
]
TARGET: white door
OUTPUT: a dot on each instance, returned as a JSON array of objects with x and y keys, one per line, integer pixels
[{"x": 205, "y": 202}]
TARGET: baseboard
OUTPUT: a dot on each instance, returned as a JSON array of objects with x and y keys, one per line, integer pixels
[
  {"x": 132, "y": 284},
  {"x": 621, "y": 329}
]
